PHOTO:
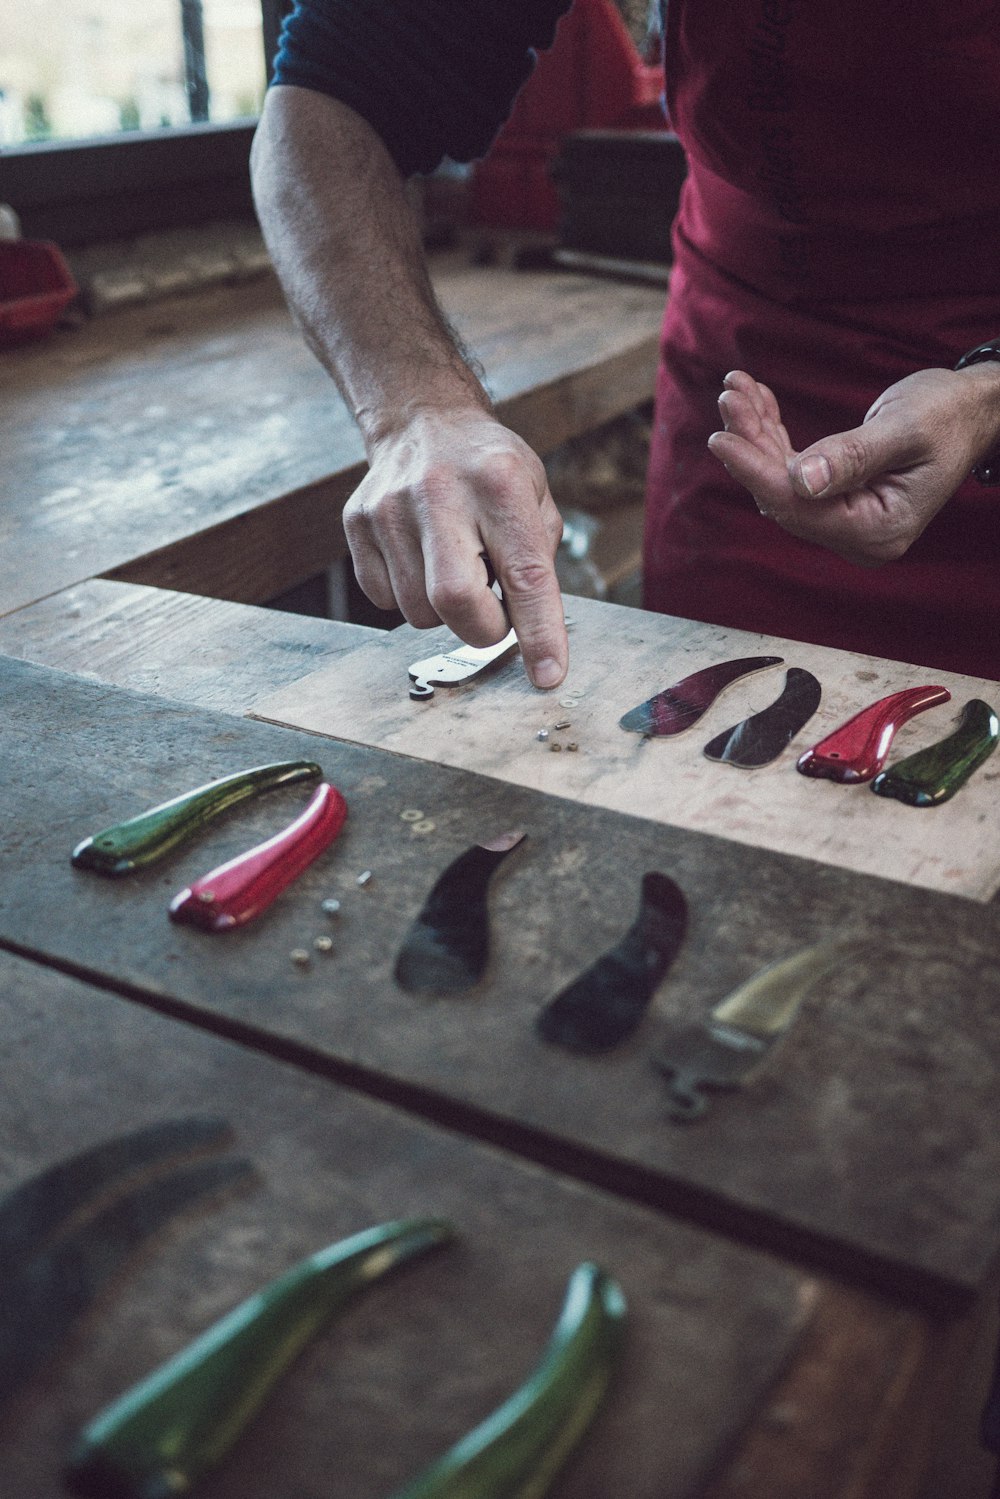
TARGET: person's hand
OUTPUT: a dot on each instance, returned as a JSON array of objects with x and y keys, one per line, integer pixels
[
  {"x": 868, "y": 493},
  {"x": 442, "y": 489}
]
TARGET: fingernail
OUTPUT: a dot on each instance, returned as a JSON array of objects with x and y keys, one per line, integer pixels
[
  {"x": 547, "y": 673},
  {"x": 815, "y": 473}
]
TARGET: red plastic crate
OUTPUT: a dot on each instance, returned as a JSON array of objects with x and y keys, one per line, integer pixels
[{"x": 36, "y": 285}]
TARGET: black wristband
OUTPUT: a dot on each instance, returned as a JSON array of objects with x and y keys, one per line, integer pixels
[{"x": 987, "y": 471}]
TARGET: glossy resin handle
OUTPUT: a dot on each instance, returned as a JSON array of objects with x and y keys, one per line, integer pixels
[
  {"x": 932, "y": 775},
  {"x": 677, "y": 707},
  {"x": 238, "y": 891},
  {"x": 857, "y": 750},
  {"x": 607, "y": 1002},
  {"x": 163, "y": 1435},
  {"x": 129, "y": 845},
  {"x": 761, "y": 738},
  {"x": 447, "y": 947},
  {"x": 517, "y": 1452}
]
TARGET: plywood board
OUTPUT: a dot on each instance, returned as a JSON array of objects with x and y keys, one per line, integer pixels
[
  {"x": 207, "y": 652},
  {"x": 419, "y": 1359},
  {"x": 869, "y": 1146},
  {"x": 620, "y": 657}
]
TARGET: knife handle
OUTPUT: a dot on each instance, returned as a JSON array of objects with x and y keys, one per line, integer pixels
[
  {"x": 239, "y": 890},
  {"x": 857, "y": 750}
]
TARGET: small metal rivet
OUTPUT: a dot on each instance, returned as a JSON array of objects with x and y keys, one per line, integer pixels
[
  {"x": 299, "y": 956},
  {"x": 207, "y": 896},
  {"x": 542, "y": 735},
  {"x": 323, "y": 944},
  {"x": 330, "y": 907},
  {"x": 411, "y": 814},
  {"x": 563, "y": 723},
  {"x": 555, "y": 748},
  {"x": 426, "y": 826},
  {"x": 364, "y": 878}
]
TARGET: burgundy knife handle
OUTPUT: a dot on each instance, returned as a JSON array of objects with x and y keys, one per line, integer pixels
[
  {"x": 239, "y": 890},
  {"x": 858, "y": 749}
]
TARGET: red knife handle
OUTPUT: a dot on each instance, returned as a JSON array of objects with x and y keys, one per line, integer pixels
[
  {"x": 858, "y": 749},
  {"x": 239, "y": 890}
]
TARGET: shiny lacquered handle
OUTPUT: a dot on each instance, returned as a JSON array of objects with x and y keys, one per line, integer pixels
[
  {"x": 857, "y": 750},
  {"x": 238, "y": 891},
  {"x": 131, "y": 845}
]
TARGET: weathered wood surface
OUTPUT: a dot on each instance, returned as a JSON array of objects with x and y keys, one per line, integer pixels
[
  {"x": 620, "y": 657},
  {"x": 206, "y": 652},
  {"x": 197, "y": 444},
  {"x": 420, "y": 1359},
  {"x": 870, "y": 1143}
]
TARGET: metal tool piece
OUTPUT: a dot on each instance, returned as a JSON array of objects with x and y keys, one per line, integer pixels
[
  {"x": 761, "y": 738},
  {"x": 130, "y": 845},
  {"x": 241, "y": 889},
  {"x": 679, "y": 706},
  {"x": 857, "y": 750},
  {"x": 933, "y": 775},
  {"x": 452, "y": 667},
  {"x": 82, "y": 1220},
  {"x": 728, "y": 1048},
  {"x": 447, "y": 947},
  {"x": 607, "y": 1002}
]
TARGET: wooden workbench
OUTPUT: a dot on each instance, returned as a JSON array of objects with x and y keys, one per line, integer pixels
[
  {"x": 812, "y": 1280},
  {"x": 198, "y": 445}
]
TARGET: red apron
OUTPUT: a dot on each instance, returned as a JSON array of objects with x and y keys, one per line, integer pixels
[{"x": 839, "y": 229}]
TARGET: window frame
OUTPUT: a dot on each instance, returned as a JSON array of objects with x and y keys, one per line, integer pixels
[{"x": 82, "y": 191}]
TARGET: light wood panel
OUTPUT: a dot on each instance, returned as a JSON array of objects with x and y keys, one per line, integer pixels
[
  {"x": 619, "y": 657},
  {"x": 206, "y": 652}
]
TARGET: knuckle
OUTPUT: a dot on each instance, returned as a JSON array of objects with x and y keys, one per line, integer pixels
[
  {"x": 453, "y": 595},
  {"x": 528, "y": 577},
  {"x": 853, "y": 458}
]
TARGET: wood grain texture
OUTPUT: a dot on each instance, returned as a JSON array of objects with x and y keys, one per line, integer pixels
[
  {"x": 197, "y": 444},
  {"x": 202, "y": 651},
  {"x": 869, "y": 1146},
  {"x": 424, "y": 1356},
  {"x": 619, "y": 657}
]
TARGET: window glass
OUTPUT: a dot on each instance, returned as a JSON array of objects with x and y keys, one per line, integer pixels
[{"x": 80, "y": 68}]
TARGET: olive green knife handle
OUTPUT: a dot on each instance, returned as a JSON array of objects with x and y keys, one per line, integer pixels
[
  {"x": 141, "y": 840},
  {"x": 518, "y": 1450},
  {"x": 166, "y": 1432}
]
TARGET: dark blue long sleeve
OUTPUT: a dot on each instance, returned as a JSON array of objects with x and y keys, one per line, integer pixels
[{"x": 433, "y": 78}]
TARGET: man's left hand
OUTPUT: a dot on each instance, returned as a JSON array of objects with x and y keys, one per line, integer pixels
[{"x": 868, "y": 493}]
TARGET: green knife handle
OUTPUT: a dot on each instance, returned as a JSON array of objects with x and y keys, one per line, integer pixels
[
  {"x": 166, "y": 1432},
  {"x": 129, "y": 845},
  {"x": 518, "y": 1450},
  {"x": 931, "y": 776}
]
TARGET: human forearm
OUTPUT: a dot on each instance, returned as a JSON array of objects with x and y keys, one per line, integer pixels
[
  {"x": 347, "y": 250},
  {"x": 447, "y": 483}
]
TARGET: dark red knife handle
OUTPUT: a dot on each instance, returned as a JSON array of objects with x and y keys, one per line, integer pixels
[
  {"x": 858, "y": 749},
  {"x": 239, "y": 890}
]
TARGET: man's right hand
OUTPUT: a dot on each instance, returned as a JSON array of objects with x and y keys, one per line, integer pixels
[{"x": 443, "y": 488}]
